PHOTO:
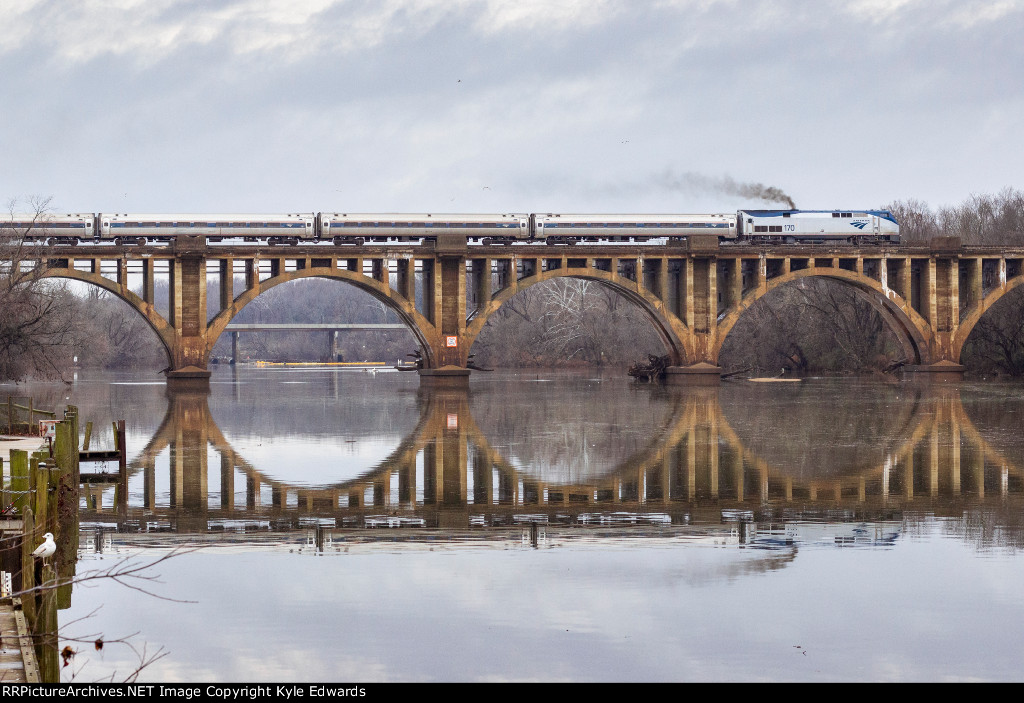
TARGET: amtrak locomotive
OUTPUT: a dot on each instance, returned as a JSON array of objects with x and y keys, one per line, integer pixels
[{"x": 744, "y": 226}]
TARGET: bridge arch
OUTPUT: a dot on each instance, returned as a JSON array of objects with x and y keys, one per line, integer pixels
[
  {"x": 670, "y": 329},
  {"x": 975, "y": 315},
  {"x": 421, "y": 328},
  {"x": 163, "y": 329},
  {"x": 910, "y": 328}
]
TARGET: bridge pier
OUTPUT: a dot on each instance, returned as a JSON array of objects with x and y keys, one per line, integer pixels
[
  {"x": 189, "y": 379},
  {"x": 699, "y": 374},
  {"x": 190, "y": 351},
  {"x": 940, "y": 372},
  {"x": 445, "y": 377}
]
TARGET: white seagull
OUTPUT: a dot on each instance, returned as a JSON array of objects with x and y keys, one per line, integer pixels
[{"x": 47, "y": 548}]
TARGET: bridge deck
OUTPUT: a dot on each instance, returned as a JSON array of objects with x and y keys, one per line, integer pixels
[{"x": 314, "y": 249}]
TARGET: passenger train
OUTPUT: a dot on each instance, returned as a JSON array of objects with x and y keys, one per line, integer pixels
[{"x": 743, "y": 226}]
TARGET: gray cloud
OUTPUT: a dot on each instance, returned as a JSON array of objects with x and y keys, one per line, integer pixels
[{"x": 552, "y": 106}]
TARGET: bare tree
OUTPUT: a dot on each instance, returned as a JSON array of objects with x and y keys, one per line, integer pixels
[
  {"x": 996, "y": 344},
  {"x": 980, "y": 219},
  {"x": 567, "y": 321},
  {"x": 36, "y": 315},
  {"x": 811, "y": 325},
  {"x": 130, "y": 572}
]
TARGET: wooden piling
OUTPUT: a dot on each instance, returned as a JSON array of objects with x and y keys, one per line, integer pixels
[
  {"x": 122, "y": 455},
  {"x": 88, "y": 435},
  {"x": 67, "y": 477},
  {"x": 28, "y": 566},
  {"x": 19, "y": 479},
  {"x": 46, "y": 627},
  {"x": 45, "y": 490},
  {"x": 48, "y": 467},
  {"x": 39, "y": 493}
]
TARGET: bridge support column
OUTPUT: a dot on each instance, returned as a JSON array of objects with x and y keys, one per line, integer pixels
[
  {"x": 188, "y": 316},
  {"x": 447, "y": 310},
  {"x": 940, "y": 303},
  {"x": 698, "y": 306}
]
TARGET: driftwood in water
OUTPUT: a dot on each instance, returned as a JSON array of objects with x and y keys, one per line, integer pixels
[
  {"x": 653, "y": 370},
  {"x": 895, "y": 366}
]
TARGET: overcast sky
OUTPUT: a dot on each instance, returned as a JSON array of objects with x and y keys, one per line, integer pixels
[{"x": 517, "y": 106}]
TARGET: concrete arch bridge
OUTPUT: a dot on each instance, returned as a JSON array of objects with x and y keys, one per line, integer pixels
[{"x": 692, "y": 293}]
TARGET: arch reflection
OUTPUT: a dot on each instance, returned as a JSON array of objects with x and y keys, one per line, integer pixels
[{"x": 713, "y": 459}]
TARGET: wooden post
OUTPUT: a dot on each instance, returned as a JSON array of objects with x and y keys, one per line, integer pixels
[
  {"x": 122, "y": 458},
  {"x": 28, "y": 567},
  {"x": 37, "y": 479},
  {"x": 46, "y": 627},
  {"x": 122, "y": 472},
  {"x": 49, "y": 469},
  {"x": 88, "y": 435},
  {"x": 19, "y": 479},
  {"x": 67, "y": 497}
]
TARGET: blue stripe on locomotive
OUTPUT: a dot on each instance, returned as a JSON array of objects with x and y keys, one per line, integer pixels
[{"x": 884, "y": 214}]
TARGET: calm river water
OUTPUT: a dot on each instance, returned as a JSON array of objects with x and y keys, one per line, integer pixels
[{"x": 552, "y": 527}]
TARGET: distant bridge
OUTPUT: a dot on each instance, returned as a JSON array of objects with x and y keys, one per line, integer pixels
[
  {"x": 331, "y": 328},
  {"x": 693, "y": 292}
]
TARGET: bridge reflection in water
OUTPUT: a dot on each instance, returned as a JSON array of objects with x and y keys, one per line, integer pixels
[{"x": 700, "y": 466}]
